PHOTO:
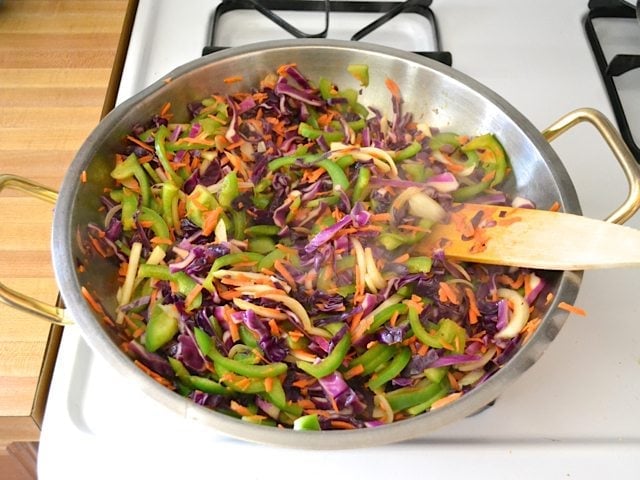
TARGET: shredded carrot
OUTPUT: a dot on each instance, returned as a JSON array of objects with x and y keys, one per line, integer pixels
[
  {"x": 474, "y": 312},
  {"x": 234, "y": 79},
  {"x": 211, "y": 220},
  {"x": 446, "y": 293},
  {"x": 158, "y": 378},
  {"x": 446, "y": 400},
  {"x": 282, "y": 69},
  {"x": 140, "y": 143},
  {"x": 195, "y": 291},
  {"x": 161, "y": 241},
  {"x": 342, "y": 424},
  {"x": 273, "y": 328},
  {"x": 572, "y": 309},
  {"x": 422, "y": 351},
  {"x": 92, "y": 301},
  {"x": 83, "y": 176},
  {"x": 268, "y": 384},
  {"x": 165, "y": 109},
  {"x": 401, "y": 258},
  {"x": 549, "y": 298},
  {"x": 282, "y": 270},
  {"x": 295, "y": 335},
  {"x": 304, "y": 383},
  {"x": 489, "y": 176},
  {"x": 554, "y": 207},
  {"x": 240, "y": 409},
  {"x": 354, "y": 371},
  {"x": 411, "y": 228},
  {"x": 392, "y": 87},
  {"x": 453, "y": 381}
]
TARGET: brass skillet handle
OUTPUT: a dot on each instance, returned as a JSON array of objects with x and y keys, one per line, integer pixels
[
  {"x": 620, "y": 150},
  {"x": 53, "y": 314}
]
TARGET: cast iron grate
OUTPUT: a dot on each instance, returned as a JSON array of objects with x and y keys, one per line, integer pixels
[
  {"x": 619, "y": 64},
  {"x": 387, "y": 11}
]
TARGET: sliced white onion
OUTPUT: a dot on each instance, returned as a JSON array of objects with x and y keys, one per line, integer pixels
[
  {"x": 262, "y": 311},
  {"x": 132, "y": 270},
  {"x": 221, "y": 232},
  {"x": 423, "y": 206},
  {"x": 519, "y": 315},
  {"x": 372, "y": 270},
  {"x": 444, "y": 182},
  {"x": 472, "y": 377},
  {"x": 481, "y": 362}
]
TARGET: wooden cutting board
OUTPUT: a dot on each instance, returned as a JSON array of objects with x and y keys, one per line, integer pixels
[
  {"x": 56, "y": 59},
  {"x": 533, "y": 238}
]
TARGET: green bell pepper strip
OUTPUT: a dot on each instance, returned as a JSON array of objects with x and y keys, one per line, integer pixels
[
  {"x": 307, "y": 131},
  {"x": 184, "y": 282},
  {"x": 208, "y": 385},
  {"x": 129, "y": 204},
  {"x": 421, "y": 407},
  {"x": 419, "y": 264},
  {"x": 391, "y": 370},
  {"x": 169, "y": 194},
  {"x": 239, "y": 222},
  {"x": 345, "y": 161},
  {"x": 419, "y": 331},
  {"x": 469, "y": 191},
  {"x": 385, "y": 315},
  {"x": 208, "y": 348},
  {"x": 288, "y": 160},
  {"x": 240, "y": 383},
  {"x": 325, "y": 86},
  {"x": 162, "y": 327},
  {"x": 436, "y": 374},
  {"x": 416, "y": 171},
  {"x": 158, "y": 225},
  {"x": 359, "y": 71},
  {"x": 181, "y": 371},
  {"x": 152, "y": 173},
  {"x": 331, "y": 362},
  {"x": 307, "y": 422},
  {"x": 130, "y": 167},
  {"x": 423, "y": 394},
  {"x": 337, "y": 175},
  {"x": 373, "y": 358},
  {"x": 262, "y": 230},
  {"x": 278, "y": 397},
  {"x": 247, "y": 337},
  {"x": 356, "y": 125},
  {"x": 444, "y": 138},
  {"x": 407, "y": 152},
  {"x": 361, "y": 185},
  {"x": 161, "y": 151},
  {"x": 269, "y": 259},
  {"x": 263, "y": 245},
  {"x": 228, "y": 190},
  {"x": 499, "y": 162},
  {"x": 452, "y": 333},
  {"x": 233, "y": 258}
]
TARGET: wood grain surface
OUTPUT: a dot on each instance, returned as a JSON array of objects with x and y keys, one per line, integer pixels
[{"x": 55, "y": 63}]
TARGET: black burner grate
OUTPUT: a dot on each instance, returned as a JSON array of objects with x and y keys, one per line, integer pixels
[
  {"x": 619, "y": 64},
  {"x": 387, "y": 11}
]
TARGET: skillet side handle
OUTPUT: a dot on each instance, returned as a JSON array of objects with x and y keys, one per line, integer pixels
[
  {"x": 51, "y": 313},
  {"x": 620, "y": 150}
]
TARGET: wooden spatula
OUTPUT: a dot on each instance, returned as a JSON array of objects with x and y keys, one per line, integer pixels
[{"x": 533, "y": 238}]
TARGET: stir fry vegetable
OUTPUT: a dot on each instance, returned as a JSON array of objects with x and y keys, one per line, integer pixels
[{"x": 268, "y": 257}]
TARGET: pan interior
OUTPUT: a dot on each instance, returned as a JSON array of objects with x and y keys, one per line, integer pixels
[{"x": 437, "y": 95}]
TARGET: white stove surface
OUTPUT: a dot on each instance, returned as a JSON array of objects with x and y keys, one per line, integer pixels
[{"x": 574, "y": 414}]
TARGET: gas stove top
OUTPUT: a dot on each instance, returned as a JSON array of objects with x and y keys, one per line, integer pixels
[{"x": 572, "y": 415}]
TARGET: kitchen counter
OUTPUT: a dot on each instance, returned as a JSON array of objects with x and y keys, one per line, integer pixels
[{"x": 56, "y": 60}]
